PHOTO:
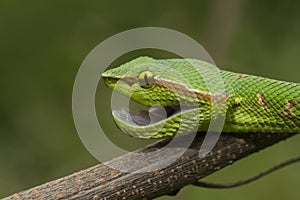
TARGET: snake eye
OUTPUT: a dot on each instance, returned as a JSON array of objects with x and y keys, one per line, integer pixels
[{"x": 146, "y": 79}]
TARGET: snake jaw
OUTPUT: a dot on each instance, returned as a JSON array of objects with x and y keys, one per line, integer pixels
[{"x": 156, "y": 122}]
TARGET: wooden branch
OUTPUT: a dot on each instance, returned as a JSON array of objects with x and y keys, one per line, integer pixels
[{"x": 148, "y": 181}]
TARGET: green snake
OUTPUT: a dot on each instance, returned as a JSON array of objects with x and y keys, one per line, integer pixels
[{"x": 177, "y": 93}]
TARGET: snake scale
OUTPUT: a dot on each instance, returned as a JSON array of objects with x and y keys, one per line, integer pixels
[{"x": 182, "y": 95}]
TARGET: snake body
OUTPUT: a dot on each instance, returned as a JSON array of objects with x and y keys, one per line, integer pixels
[{"x": 196, "y": 92}]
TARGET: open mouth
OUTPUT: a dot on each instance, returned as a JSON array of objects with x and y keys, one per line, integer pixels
[{"x": 152, "y": 115}]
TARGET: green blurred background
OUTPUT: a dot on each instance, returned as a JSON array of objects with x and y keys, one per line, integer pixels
[{"x": 42, "y": 44}]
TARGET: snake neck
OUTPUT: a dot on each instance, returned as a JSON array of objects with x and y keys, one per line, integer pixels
[{"x": 259, "y": 104}]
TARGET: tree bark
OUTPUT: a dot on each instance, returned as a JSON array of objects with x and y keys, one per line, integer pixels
[{"x": 144, "y": 178}]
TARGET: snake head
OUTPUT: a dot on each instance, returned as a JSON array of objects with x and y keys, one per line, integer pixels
[{"x": 166, "y": 87}]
